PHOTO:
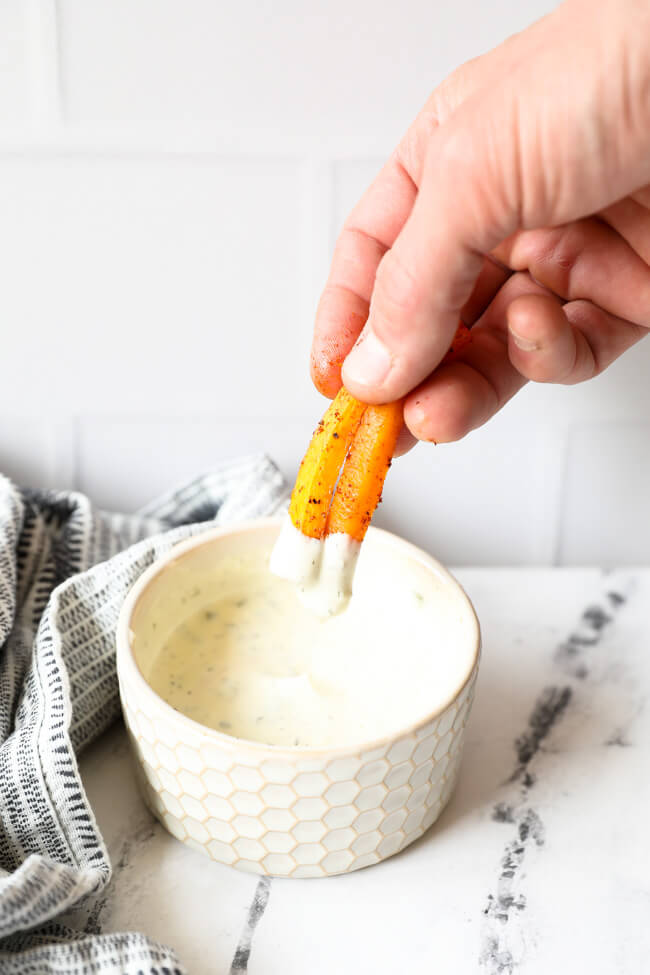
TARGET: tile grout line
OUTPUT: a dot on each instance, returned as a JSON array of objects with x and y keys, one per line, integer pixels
[
  {"x": 58, "y": 55},
  {"x": 42, "y": 29}
]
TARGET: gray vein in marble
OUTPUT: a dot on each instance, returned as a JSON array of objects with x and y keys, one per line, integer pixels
[
  {"x": 255, "y": 912},
  {"x": 145, "y": 832},
  {"x": 595, "y": 619},
  {"x": 619, "y": 738},
  {"x": 547, "y": 711},
  {"x": 496, "y": 955}
]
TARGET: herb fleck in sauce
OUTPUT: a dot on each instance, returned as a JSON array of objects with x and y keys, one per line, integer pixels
[{"x": 254, "y": 663}]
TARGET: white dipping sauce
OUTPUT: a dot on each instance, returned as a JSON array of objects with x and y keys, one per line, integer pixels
[
  {"x": 323, "y": 569},
  {"x": 253, "y": 662}
]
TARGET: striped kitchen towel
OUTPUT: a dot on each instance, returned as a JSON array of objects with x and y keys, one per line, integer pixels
[{"x": 65, "y": 568}]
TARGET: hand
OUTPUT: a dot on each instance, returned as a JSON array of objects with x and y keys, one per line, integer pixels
[{"x": 519, "y": 200}]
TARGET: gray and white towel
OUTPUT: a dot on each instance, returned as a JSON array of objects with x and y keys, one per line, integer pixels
[{"x": 64, "y": 571}]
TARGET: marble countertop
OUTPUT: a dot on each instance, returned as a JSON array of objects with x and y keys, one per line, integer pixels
[{"x": 540, "y": 863}]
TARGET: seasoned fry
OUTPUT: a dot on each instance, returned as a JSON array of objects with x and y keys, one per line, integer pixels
[
  {"x": 360, "y": 485},
  {"x": 338, "y": 487},
  {"x": 349, "y": 425},
  {"x": 320, "y": 468},
  {"x": 462, "y": 338}
]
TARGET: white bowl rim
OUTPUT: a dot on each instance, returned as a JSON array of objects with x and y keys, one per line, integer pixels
[{"x": 127, "y": 665}]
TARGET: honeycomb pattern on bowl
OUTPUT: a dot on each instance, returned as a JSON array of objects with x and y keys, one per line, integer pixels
[{"x": 303, "y": 815}]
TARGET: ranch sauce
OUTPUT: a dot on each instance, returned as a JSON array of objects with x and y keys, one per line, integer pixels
[{"x": 251, "y": 661}]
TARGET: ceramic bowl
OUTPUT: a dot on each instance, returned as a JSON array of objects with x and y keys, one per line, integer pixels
[{"x": 283, "y": 811}]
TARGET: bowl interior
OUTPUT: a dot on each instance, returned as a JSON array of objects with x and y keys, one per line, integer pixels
[
  {"x": 192, "y": 576},
  {"x": 398, "y": 656}
]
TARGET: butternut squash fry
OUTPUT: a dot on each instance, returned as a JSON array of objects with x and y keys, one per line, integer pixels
[
  {"x": 362, "y": 479},
  {"x": 319, "y": 471},
  {"x": 462, "y": 338},
  {"x": 361, "y": 439},
  {"x": 360, "y": 485}
]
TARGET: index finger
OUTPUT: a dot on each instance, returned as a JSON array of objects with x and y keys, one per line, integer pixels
[
  {"x": 375, "y": 223},
  {"x": 368, "y": 233}
]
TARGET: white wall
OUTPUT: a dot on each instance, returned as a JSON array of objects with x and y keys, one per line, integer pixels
[{"x": 172, "y": 177}]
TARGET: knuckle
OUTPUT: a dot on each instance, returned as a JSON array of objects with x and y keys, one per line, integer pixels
[
  {"x": 411, "y": 152},
  {"x": 564, "y": 255},
  {"x": 396, "y": 287},
  {"x": 547, "y": 367},
  {"x": 456, "y": 87},
  {"x": 446, "y": 421},
  {"x": 555, "y": 257}
]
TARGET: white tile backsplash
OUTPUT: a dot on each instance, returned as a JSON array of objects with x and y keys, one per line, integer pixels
[
  {"x": 143, "y": 285},
  {"x": 345, "y": 72},
  {"x": 15, "y": 76},
  {"x": 490, "y": 499},
  {"x": 38, "y": 452},
  {"x": 605, "y": 518},
  {"x": 172, "y": 179},
  {"x": 155, "y": 454}
]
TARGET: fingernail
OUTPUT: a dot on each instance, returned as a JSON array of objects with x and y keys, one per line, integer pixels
[
  {"x": 369, "y": 362},
  {"x": 526, "y": 345}
]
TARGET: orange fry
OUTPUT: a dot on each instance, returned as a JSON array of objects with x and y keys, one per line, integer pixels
[
  {"x": 360, "y": 485},
  {"x": 462, "y": 337},
  {"x": 361, "y": 439},
  {"x": 320, "y": 467}
]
